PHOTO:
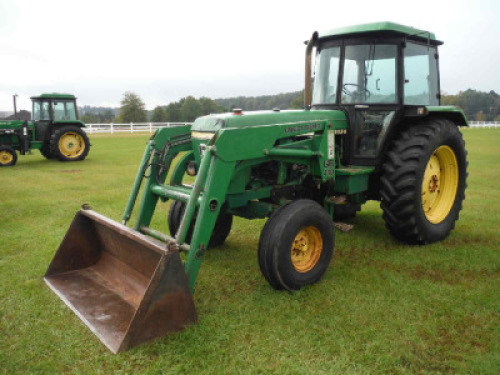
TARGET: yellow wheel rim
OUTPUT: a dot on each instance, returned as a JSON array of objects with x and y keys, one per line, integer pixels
[
  {"x": 71, "y": 145},
  {"x": 440, "y": 183},
  {"x": 6, "y": 157},
  {"x": 306, "y": 249}
]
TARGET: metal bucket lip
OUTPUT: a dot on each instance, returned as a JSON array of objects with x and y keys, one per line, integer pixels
[{"x": 126, "y": 231}]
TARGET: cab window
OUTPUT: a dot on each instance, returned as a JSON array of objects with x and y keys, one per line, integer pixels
[
  {"x": 64, "y": 110},
  {"x": 421, "y": 81},
  {"x": 369, "y": 74},
  {"x": 41, "y": 110}
]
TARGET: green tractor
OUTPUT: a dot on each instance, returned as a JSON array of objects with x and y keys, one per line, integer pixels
[
  {"x": 372, "y": 129},
  {"x": 54, "y": 130}
]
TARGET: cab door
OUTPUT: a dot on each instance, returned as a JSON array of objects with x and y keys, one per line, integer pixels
[
  {"x": 42, "y": 119},
  {"x": 370, "y": 96}
]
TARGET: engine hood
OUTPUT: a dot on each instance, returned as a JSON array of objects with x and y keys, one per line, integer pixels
[{"x": 213, "y": 123}]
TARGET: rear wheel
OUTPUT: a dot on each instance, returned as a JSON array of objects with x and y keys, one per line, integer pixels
[
  {"x": 219, "y": 234},
  {"x": 423, "y": 182},
  {"x": 45, "y": 150},
  {"x": 296, "y": 245},
  {"x": 8, "y": 156},
  {"x": 69, "y": 143}
]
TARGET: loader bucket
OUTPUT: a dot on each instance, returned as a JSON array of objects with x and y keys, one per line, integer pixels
[{"x": 126, "y": 287}]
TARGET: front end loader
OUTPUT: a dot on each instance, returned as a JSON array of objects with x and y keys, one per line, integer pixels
[{"x": 369, "y": 130}]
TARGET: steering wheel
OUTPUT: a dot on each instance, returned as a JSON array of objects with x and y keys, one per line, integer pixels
[{"x": 358, "y": 90}]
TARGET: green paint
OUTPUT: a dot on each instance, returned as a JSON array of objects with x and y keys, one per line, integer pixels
[
  {"x": 372, "y": 28},
  {"x": 54, "y": 96},
  {"x": 451, "y": 112},
  {"x": 216, "y": 122}
]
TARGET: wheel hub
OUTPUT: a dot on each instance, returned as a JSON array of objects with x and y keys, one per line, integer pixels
[
  {"x": 5, "y": 157},
  {"x": 306, "y": 249},
  {"x": 433, "y": 183},
  {"x": 71, "y": 145},
  {"x": 439, "y": 184}
]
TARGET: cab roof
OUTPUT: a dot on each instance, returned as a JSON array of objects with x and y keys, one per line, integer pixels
[
  {"x": 55, "y": 95},
  {"x": 383, "y": 29}
]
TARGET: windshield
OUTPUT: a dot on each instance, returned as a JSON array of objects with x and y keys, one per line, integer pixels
[
  {"x": 326, "y": 78},
  {"x": 369, "y": 74},
  {"x": 64, "y": 110}
]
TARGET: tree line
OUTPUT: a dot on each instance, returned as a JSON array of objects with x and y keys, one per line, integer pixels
[{"x": 477, "y": 105}]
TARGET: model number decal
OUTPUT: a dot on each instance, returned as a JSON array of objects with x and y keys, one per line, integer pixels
[
  {"x": 299, "y": 128},
  {"x": 331, "y": 144}
]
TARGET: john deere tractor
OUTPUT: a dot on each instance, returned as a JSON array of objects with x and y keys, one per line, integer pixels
[
  {"x": 54, "y": 130},
  {"x": 372, "y": 128}
]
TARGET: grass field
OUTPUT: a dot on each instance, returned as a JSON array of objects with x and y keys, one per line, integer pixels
[{"x": 382, "y": 308}]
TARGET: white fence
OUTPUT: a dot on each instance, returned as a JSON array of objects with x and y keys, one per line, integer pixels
[
  {"x": 484, "y": 124},
  {"x": 150, "y": 127},
  {"x": 139, "y": 127}
]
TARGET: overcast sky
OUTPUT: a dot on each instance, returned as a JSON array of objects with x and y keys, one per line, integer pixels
[{"x": 164, "y": 50}]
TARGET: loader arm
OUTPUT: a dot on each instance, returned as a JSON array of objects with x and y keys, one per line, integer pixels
[{"x": 217, "y": 168}]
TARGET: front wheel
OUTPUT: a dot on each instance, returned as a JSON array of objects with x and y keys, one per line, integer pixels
[
  {"x": 219, "y": 234},
  {"x": 423, "y": 182},
  {"x": 8, "y": 156},
  {"x": 69, "y": 143},
  {"x": 296, "y": 245}
]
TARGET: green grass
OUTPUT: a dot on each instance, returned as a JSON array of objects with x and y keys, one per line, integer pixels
[{"x": 382, "y": 307}]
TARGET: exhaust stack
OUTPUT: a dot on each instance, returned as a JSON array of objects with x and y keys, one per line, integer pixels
[{"x": 308, "y": 72}]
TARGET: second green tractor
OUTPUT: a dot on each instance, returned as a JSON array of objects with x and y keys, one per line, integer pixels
[{"x": 54, "y": 129}]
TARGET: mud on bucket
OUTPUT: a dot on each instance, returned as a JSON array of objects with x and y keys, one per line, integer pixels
[{"x": 126, "y": 287}]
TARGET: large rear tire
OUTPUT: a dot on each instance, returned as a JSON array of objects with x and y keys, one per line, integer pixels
[
  {"x": 423, "y": 182},
  {"x": 45, "y": 150},
  {"x": 8, "y": 156},
  {"x": 69, "y": 143},
  {"x": 219, "y": 234},
  {"x": 296, "y": 245}
]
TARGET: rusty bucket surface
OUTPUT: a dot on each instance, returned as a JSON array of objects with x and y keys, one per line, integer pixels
[{"x": 126, "y": 287}]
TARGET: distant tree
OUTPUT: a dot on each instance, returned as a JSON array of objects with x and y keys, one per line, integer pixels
[
  {"x": 298, "y": 102},
  {"x": 253, "y": 103},
  {"x": 480, "y": 116},
  {"x": 108, "y": 116},
  {"x": 132, "y": 108},
  {"x": 475, "y": 103},
  {"x": 173, "y": 111},
  {"x": 190, "y": 109},
  {"x": 159, "y": 114},
  {"x": 209, "y": 106}
]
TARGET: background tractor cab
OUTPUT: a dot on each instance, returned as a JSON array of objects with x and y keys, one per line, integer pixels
[{"x": 54, "y": 129}]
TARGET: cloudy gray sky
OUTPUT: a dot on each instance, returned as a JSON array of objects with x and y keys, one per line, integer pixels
[{"x": 164, "y": 50}]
